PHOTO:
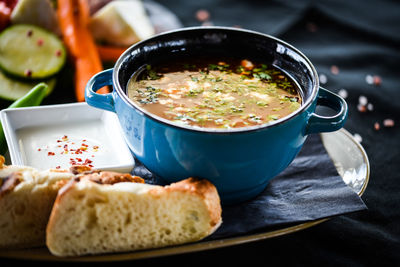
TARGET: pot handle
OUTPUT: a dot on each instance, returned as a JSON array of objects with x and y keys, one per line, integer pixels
[
  {"x": 102, "y": 101},
  {"x": 317, "y": 123}
]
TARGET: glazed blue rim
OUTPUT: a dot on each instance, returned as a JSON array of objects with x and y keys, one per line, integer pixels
[{"x": 161, "y": 120}]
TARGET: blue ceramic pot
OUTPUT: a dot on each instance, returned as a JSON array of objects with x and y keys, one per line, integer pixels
[{"x": 239, "y": 162}]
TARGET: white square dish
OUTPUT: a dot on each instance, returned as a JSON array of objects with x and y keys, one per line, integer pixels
[{"x": 59, "y": 136}]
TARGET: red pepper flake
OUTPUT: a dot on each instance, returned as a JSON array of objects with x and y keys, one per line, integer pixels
[
  {"x": 388, "y": 123},
  {"x": 361, "y": 108},
  {"x": 334, "y": 70},
  {"x": 88, "y": 161},
  {"x": 373, "y": 79},
  {"x": 51, "y": 154},
  {"x": 84, "y": 140},
  {"x": 65, "y": 138},
  {"x": 28, "y": 73},
  {"x": 79, "y": 159},
  {"x": 90, "y": 165},
  {"x": 58, "y": 53},
  {"x": 377, "y": 80},
  {"x": 39, "y": 149},
  {"x": 40, "y": 42},
  {"x": 377, "y": 126},
  {"x": 29, "y": 33},
  {"x": 95, "y": 147},
  {"x": 58, "y": 167},
  {"x": 202, "y": 15}
]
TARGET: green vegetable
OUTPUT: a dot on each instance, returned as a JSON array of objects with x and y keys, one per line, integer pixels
[
  {"x": 31, "y": 52},
  {"x": 33, "y": 98},
  {"x": 13, "y": 89}
]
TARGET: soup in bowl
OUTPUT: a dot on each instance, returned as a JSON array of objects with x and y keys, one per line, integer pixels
[
  {"x": 222, "y": 94},
  {"x": 229, "y": 105}
]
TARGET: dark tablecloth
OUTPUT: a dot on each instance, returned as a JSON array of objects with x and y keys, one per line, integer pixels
[
  {"x": 361, "y": 39},
  {"x": 352, "y": 44}
]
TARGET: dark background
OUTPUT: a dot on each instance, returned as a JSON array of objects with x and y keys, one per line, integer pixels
[{"x": 360, "y": 38}]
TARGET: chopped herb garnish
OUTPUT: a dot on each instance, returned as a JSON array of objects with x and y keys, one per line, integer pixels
[{"x": 223, "y": 94}]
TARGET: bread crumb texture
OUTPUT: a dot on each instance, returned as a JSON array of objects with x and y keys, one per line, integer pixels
[
  {"x": 26, "y": 199},
  {"x": 93, "y": 218}
]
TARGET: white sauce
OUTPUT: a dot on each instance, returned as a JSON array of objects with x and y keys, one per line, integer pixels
[{"x": 63, "y": 145}]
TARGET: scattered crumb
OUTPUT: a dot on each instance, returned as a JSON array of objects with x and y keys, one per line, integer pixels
[
  {"x": 343, "y": 93},
  {"x": 363, "y": 100},
  {"x": 323, "y": 79},
  {"x": 369, "y": 79},
  {"x": 202, "y": 15},
  {"x": 357, "y": 137},
  {"x": 377, "y": 80},
  {"x": 334, "y": 70},
  {"x": 388, "y": 123},
  {"x": 361, "y": 108}
]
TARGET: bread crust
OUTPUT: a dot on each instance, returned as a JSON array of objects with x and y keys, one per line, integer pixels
[
  {"x": 201, "y": 193},
  {"x": 26, "y": 199},
  {"x": 202, "y": 188}
]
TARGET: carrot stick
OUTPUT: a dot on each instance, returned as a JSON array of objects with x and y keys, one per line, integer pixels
[
  {"x": 73, "y": 17},
  {"x": 110, "y": 53}
]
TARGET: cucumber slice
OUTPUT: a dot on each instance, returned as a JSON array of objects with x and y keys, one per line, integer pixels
[
  {"x": 12, "y": 89},
  {"x": 31, "y": 52}
]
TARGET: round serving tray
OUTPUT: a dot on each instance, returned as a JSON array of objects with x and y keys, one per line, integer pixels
[{"x": 350, "y": 160}]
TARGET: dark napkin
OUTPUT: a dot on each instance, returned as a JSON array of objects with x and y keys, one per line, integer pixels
[{"x": 309, "y": 188}]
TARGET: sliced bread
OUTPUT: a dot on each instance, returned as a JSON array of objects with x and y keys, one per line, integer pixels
[
  {"x": 26, "y": 199},
  {"x": 92, "y": 216}
]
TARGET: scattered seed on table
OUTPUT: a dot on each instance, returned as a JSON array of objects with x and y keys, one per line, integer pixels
[
  {"x": 357, "y": 137},
  {"x": 202, "y": 15},
  {"x": 377, "y": 126},
  {"x": 361, "y": 108},
  {"x": 388, "y": 123},
  {"x": 343, "y": 93},
  {"x": 334, "y": 70},
  {"x": 323, "y": 79},
  {"x": 377, "y": 80},
  {"x": 369, "y": 79},
  {"x": 363, "y": 100}
]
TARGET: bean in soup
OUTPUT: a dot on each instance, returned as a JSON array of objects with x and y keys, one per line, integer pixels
[{"x": 226, "y": 94}]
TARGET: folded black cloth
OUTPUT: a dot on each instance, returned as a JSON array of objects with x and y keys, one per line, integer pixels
[{"x": 309, "y": 189}]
